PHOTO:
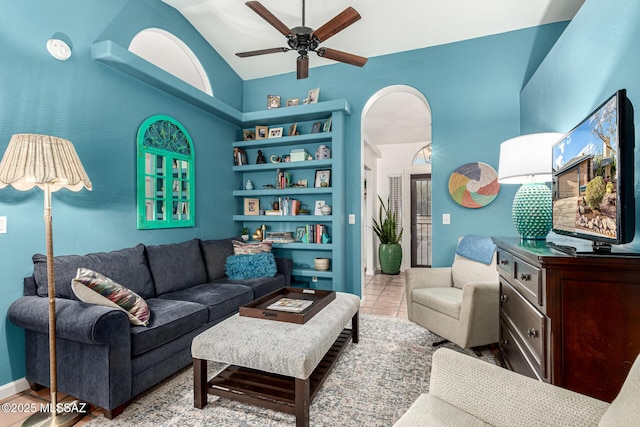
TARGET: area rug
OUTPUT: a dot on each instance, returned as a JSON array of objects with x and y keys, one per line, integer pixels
[{"x": 373, "y": 384}]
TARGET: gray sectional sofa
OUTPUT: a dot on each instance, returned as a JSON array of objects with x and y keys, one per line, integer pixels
[{"x": 102, "y": 358}]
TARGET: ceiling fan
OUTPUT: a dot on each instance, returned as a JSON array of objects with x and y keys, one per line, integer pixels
[{"x": 304, "y": 39}]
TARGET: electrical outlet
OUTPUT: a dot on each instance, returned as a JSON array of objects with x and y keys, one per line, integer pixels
[
  {"x": 3, "y": 224},
  {"x": 314, "y": 279}
]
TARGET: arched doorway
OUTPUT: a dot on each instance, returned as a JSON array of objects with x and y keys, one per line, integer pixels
[{"x": 395, "y": 127}]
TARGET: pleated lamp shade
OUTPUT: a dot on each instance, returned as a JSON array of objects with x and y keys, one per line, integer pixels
[{"x": 42, "y": 160}]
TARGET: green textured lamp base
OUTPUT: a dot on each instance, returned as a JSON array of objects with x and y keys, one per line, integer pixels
[{"x": 532, "y": 211}]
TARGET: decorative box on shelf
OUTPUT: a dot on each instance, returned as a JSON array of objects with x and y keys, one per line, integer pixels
[{"x": 299, "y": 155}]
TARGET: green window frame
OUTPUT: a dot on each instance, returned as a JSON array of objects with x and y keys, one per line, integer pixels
[{"x": 166, "y": 174}]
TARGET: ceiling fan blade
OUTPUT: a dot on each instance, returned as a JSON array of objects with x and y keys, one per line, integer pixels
[
  {"x": 261, "y": 52},
  {"x": 302, "y": 67},
  {"x": 337, "y": 24},
  {"x": 337, "y": 55},
  {"x": 258, "y": 8}
]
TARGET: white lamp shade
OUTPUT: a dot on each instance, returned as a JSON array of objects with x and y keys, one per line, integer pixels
[
  {"x": 42, "y": 160},
  {"x": 527, "y": 158}
]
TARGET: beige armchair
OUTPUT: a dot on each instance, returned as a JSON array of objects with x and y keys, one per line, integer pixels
[
  {"x": 459, "y": 303},
  {"x": 464, "y": 391}
]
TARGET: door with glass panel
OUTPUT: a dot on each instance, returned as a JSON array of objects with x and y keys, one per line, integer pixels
[{"x": 421, "y": 220}]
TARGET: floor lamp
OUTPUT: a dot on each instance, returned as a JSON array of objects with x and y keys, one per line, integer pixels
[{"x": 50, "y": 163}]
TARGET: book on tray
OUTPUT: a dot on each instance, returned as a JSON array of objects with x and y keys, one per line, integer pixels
[{"x": 292, "y": 305}]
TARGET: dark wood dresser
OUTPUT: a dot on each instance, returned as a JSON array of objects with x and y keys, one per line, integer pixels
[{"x": 570, "y": 320}]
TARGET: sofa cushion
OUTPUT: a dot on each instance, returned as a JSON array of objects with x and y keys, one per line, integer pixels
[
  {"x": 169, "y": 320},
  {"x": 215, "y": 253},
  {"x": 263, "y": 285},
  {"x": 221, "y": 299},
  {"x": 240, "y": 267},
  {"x": 94, "y": 288},
  {"x": 127, "y": 267},
  {"x": 176, "y": 266},
  {"x": 443, "y": 300}
]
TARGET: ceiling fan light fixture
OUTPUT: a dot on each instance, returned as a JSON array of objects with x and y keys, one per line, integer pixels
[{"x": 304, "y": 39}]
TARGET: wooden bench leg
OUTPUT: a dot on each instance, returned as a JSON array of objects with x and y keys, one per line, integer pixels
[
  {"x": 199, "y": 383},
  {"x": 303, "y": 388},
  {"x": 355, "y": 327}
]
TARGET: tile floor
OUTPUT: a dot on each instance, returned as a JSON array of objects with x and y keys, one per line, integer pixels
[{"x": 383, "y": 295}]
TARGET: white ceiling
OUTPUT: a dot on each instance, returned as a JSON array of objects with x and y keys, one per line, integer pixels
[{"x": 386, "y": 27}]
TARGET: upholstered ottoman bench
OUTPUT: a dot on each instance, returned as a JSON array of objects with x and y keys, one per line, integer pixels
[{"x": 273, "y": 364}]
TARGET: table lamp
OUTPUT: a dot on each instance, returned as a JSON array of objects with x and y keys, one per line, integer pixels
[
  {"x": 527, "y": 160},
  {"x": 50, "y": 163}
]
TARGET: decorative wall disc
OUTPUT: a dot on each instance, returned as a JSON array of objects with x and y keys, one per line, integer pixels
[{"x": 474, "y": 185}]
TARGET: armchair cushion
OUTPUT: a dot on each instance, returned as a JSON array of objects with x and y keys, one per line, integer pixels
[
  {"x": 444, "y": 300},
  {"x": 465, "y": 270}
]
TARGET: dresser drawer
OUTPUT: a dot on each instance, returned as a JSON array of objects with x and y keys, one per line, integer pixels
[
  {"x": 514, "y": 354},
  {"x": 529, "y": 281},
  {"x": 526, "y": 321},
  {"x": 504, "y": 261}
]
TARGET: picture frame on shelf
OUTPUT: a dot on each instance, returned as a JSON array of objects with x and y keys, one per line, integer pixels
[
  {"x": 316, "y": 127},
  {"x": 323, "y": 178},
  {"x": 262, "y": 132},
  {"x": 292, "y": 102},
  {"x": 313, "y": 96},
  {"x": 326, "y": 127},
  {"x": 292, "y": 129},
  {"x": 275, "y": 132},
  {"x": 301, "y": 230},
  {"x": 251, "y": 207},
  {"x": 239, "y": 157},
  {"x": 248, "y": 134},
  {"x": 319, "y": 205},
  {"x": 273, "y": 101}
]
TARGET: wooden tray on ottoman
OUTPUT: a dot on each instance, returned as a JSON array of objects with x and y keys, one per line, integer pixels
[{"x": 258, "y": 308}]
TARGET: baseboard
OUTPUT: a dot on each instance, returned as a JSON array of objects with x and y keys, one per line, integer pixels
[{"x": 14, "y": 387}]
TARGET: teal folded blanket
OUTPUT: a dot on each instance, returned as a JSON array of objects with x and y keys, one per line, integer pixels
[{"x": 476, "y": 248}]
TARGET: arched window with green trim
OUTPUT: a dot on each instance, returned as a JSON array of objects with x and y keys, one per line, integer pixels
[{"x": 166, "y": 175}]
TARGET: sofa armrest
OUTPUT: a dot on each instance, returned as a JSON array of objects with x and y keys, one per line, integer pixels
[
  {"x": 285, "y": 267},
  {"x": 75, "y": 320},
  {"x": 504, "y": 398}
]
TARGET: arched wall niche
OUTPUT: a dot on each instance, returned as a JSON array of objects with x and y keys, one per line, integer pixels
[{"x": 168, "y": 52}]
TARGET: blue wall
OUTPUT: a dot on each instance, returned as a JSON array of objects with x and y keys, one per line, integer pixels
[
  {"x": 99, "y": 110},
  {"x": 597, "y": 55},
  {"x": 473, "y": 88}
]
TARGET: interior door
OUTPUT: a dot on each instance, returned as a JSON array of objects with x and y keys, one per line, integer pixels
[{"x": 421, "y": 220}]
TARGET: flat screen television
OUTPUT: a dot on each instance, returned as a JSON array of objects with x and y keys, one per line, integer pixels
[{"x": 593, "y": 182}]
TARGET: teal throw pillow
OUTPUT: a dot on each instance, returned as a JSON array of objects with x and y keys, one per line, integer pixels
[{"x": 249, "y": 266}]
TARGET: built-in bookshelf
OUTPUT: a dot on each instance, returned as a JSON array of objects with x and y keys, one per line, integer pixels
[{"x": 264, "y": 178}]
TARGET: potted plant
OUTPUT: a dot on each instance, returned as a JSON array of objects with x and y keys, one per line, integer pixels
[
  {"x": 390, "y": 250},
  {"x": 245, "y": 234}
]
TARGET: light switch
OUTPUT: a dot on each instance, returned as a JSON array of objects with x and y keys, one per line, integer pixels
[
  {"x": 352, "y": 218},
  {"x": 446, "y": 219},
  {"x": 3, "y": 224}
]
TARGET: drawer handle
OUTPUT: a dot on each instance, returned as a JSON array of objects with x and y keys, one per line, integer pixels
[
  {"x": 503, "y": 298},
  {"x": 504, "y": 342},
  {"x": 504, "y": 262},
  {"x": 532, "y": 333},
  {"x": 525, "y": 277}
]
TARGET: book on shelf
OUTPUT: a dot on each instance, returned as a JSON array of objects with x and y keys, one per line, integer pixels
[
  {"x": 312, "y": 233},
  {"x": 292, "y": 305},
  {"x": 279, "y": 237}
]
